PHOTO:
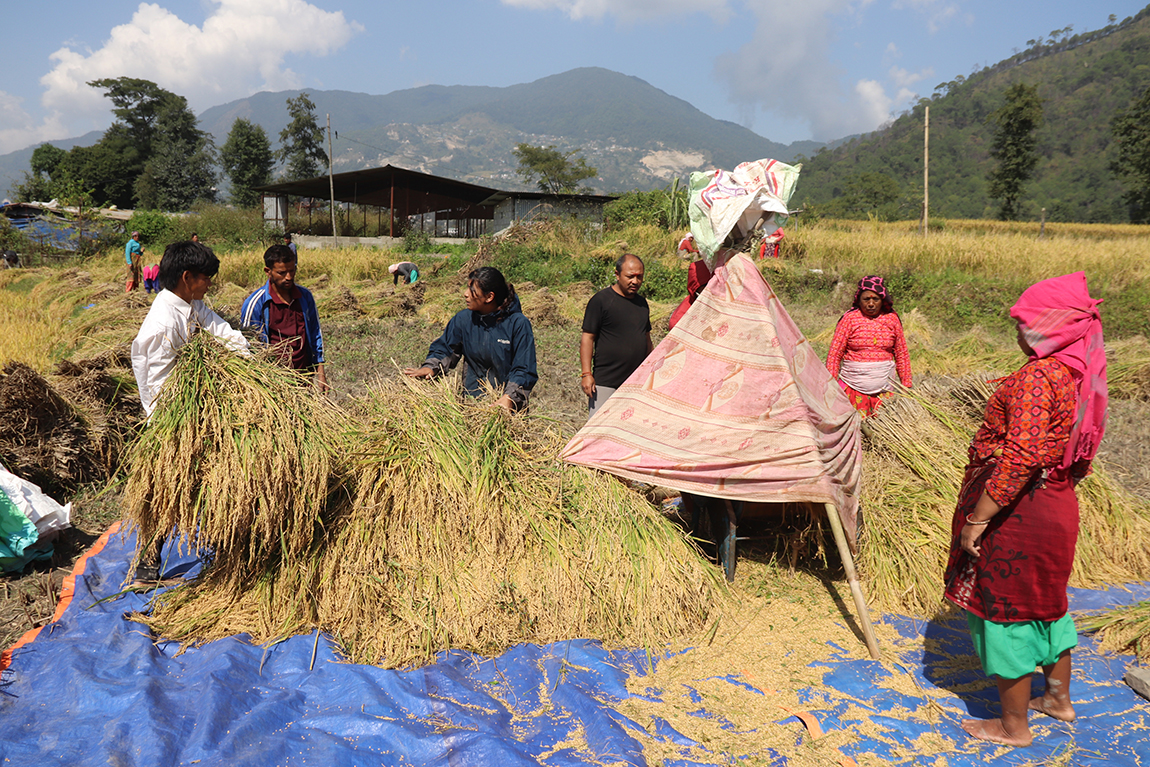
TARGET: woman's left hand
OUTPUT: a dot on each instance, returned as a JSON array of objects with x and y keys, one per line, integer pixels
[
  {"x": 506, "y": 403},
  {"x": 970, "y": 538}
]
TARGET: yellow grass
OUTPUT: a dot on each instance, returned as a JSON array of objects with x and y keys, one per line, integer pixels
[{"x": 1111, "y": 253}]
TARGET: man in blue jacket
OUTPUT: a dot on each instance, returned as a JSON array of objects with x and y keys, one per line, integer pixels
[{"x": 284, "y": 315}]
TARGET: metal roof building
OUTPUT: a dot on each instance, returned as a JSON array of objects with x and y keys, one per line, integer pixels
[{"x": 447, "y": 206}]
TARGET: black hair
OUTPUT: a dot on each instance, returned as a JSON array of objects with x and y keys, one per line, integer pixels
[
  {"x": 186, "y": 256},
  {"x": 278, "y": 254},
  {"x": 287, "y": 235},
  {"x": 490, "y": 280},
  {"x": 623, "y": 259}
]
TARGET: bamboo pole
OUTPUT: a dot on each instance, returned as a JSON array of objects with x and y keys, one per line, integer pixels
[
  {"x": 853, "y": 580},
  {"x": 926, "y": 173}
]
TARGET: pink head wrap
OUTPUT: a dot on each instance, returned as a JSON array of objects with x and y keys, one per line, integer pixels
[{"x": 1059, "y": 319}]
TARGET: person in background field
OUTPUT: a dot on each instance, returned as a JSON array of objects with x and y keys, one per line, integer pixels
[
  {"x": 1016, "y": 523},
  {"x": 404, "y": 269},
  {"x": 195, "y": 237},
  {"x": 133, "y": 255},
  {"x": 493, "y": 336},
  {"x": 869, "y": 348},
  {"x": 11, "y": 259},
  {"x": 289, "y": 244},
  {"x": 152, "y": 278},
  {"x": 285, "y": 316},
  {"x": 185, "y": 274},
  {"x": 616, "y": 333},
  {"x": 698, "y": 275}
]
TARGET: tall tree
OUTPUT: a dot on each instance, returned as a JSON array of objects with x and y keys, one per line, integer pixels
[
  {"x": 301, "y": 142},
  {"x": 138, "y": 104},
  {"x": 551, "y": 170},
  {"x": 1131, "y": 129},
  {"x": 181, "y": 167},
  {"x": 1013, "y": 146},
  {"x": 247, "y": 159}
]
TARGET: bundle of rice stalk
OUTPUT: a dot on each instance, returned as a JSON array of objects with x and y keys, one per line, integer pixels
[
  {"x": 1128, "y": 369},
  {"x": 239, "y": 457},
  {"x": 1125, "y": 629},
  {"x": 467, "y": 532},
  {"x": 913, "y": 465}
]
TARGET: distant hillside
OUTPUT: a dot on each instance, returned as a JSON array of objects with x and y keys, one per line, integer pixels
[
  {"x": 635, "y": 134},
  {"x": 1084, "y": 79}
]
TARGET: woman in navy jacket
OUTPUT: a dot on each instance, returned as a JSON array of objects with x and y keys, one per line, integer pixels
[{"x": 493, "y": 336}]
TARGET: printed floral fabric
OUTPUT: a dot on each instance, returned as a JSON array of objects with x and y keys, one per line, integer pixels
[
  {"x": 1027, "y": 549},
  {"x": 862, "y": 339},
  {"x": 1028, "y": 419}
]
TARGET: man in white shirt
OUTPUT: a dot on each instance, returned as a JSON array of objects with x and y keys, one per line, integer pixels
[{"x": 186, "y": 273}]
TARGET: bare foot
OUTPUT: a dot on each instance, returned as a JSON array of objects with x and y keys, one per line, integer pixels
[
  {"x": 1060, "y": 710},
  {"x": 993, "y": 731}
]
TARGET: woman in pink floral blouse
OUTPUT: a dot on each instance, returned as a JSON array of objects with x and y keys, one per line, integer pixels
[{"x": 869, "y": 349}]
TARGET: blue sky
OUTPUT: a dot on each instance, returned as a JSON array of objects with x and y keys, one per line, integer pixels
[{"x": 811, "y": 69}]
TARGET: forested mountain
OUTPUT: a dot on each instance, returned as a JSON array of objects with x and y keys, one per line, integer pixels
[
  {"x": 1084, "y": 80},
  {"x": 634, "y": 134}
]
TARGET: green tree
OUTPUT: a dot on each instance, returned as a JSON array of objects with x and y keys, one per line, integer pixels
[
  {"x": 301, "y": 142},
  {"x": 138, "y": 105},
  {"x": 181, "y": 167},
  {"x": 46, "y": 159},
  {"x": 247, "y": 160},
  {"x": 1131, "y": 129},
  {"x": 551, "y": 170},
  {"x": 1013, "y": 146}
]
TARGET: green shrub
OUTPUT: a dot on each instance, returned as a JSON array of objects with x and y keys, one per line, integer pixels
[{"x": 155, "y": 228}]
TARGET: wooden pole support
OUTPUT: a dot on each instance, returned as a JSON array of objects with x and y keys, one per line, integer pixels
[{"x": 853, "y": 580}]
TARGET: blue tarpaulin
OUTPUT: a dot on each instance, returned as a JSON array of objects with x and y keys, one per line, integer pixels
[{"x": 94, "y": 688}]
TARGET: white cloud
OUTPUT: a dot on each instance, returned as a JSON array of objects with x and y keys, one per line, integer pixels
[
  {"x": 18, "y": 129},
  {"x": 627, "y": 10},
  {"x": 241, "y": 49},
  {"x": 904, "y": 79}
]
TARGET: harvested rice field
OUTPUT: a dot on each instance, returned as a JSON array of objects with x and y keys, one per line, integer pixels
[{"x": 373, "y": 476}]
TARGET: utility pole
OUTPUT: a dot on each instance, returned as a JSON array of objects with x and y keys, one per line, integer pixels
[
  {"x": 331, "y": 178},
  {"x": 925, "y": 172}
]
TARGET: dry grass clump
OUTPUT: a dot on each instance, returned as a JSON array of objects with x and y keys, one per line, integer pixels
[
  {"x": 916, "y": 452},
  {"x": 467, "y": 532},
  {"x": 1128, "y": 369},
  {"x": 1125, "y": 629},
  {"x": 67, "y": 429},
  {"x": 239, "y": 457}
]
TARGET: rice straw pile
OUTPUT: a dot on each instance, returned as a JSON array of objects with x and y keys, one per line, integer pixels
[
  {"x": 916, "y": 453},
  {"x": 1126, "y": 629},
  {"x": 240, "y": 458},
  {"x": 466, "y": 532}
]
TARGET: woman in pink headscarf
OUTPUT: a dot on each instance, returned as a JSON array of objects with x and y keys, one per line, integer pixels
[
  {"x": 1016, "y": 524},
  {"x": 869, "y": 349}
]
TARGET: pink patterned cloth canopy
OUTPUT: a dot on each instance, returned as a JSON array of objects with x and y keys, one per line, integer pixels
[{"x": 733, "y": 403}]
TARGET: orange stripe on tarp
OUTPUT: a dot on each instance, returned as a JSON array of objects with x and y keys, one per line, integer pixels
[
  {"x": 807, "y": 718},
  {"x": 67, "y": 591}
]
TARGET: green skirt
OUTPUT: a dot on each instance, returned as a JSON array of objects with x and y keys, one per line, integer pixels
[{"x": 1013, "y": 650}]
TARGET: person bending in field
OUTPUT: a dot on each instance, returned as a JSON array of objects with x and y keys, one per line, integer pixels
[
  {"x": 404, "y": 270},
  {"x": 186, "y": 272},
  {"x": 284, "y": 315},
  {"x": 493, "y": 336}
]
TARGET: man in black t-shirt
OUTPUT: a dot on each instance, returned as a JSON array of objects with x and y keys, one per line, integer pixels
[{"x": 616, "y": 333}]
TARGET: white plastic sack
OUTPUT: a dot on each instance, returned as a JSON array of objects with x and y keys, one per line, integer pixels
[{"x": 48, "y": 516}]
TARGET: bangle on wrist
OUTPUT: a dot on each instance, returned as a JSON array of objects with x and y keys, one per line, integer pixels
[
  {"x": 585, "y": 375},
  {"x": 970, "y": 521}
]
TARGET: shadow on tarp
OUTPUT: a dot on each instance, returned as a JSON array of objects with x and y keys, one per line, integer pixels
[{"x": 94, "y": 688}]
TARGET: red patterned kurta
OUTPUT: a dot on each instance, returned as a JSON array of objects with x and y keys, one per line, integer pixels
[
  {"x": 1028, "y": 548},
  {"x": 861, "y": 339}
]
